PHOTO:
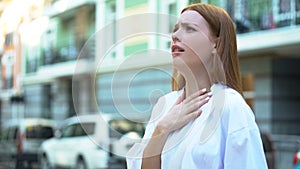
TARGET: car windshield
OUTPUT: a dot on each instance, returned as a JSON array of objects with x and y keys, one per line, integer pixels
[
  {"x": 39, "y": 132},
  {"x": 85, "y": 129},
  {"x": 120, "y": 127},
  {"x": 78, "y": 130}
]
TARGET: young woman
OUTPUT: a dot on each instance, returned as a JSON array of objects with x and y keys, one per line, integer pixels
[{"x": 204, "y": 123}]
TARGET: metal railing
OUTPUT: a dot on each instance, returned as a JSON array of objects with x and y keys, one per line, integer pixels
[{"x": 285, "y": 148}]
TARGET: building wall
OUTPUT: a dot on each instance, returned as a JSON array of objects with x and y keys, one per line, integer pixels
[
  {"x": 37, "y": 100},
  {"x": 285, "y": 95},
  {"x": 276, "y": 92},
  {"x": 62, "y": 102},
  {"x": 260, "y": 68},
  {"x": 6, "y": 110}
]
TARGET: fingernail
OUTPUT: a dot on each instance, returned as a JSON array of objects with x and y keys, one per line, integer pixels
[
  {"x": 209, "y": 93},
  {"x": 203, "y": 90},
  {"x": 207, "y": 98},
  {"x": 199, "y": 112}
]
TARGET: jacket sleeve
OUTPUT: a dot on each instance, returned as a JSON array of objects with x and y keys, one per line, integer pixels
[{"x": 244, "y": 150}]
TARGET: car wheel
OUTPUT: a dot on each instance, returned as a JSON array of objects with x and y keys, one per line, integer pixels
[
  {"x": 80, "y": 164},
  {"x": 45, "y": 164}
]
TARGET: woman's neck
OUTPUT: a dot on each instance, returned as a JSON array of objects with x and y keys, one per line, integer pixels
[{"x": 195, "y": 85}]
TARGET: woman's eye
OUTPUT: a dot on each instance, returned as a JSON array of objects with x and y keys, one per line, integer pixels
[
  {"x": 190, "y": 29},
  {"x": 175, "y": 29}
]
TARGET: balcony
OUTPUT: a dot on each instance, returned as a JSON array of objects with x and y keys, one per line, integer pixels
[
  {"x": 59, "y": 6},
  {"x": 258, "y": 15},
  {"x": 267, "y": 27},
  {"x": 283, "y": 41}
]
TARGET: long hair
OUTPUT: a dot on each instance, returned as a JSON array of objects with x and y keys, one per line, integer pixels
[{"x": 222, "y": 27}]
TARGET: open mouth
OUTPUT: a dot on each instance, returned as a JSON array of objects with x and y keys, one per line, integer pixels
[{"x": 176, "y": 49}]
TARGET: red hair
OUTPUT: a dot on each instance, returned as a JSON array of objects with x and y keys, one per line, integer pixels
[{"x": 222, "y": 27}]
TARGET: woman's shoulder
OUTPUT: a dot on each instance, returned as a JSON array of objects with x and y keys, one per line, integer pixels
[
  {"x": 235, "y": 101},
  {"x": 228, "y": 98},
  {"x": 236, "y": 113}
]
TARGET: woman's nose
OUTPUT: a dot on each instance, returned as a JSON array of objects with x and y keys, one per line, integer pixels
[{"x": 175, "y": 37}]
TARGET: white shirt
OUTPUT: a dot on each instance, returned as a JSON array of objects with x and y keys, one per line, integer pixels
[{"x": 224, "y": 136}]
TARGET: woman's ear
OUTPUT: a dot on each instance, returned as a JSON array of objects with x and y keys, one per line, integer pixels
[
  {"x": 214, "y": 51},
  {"x": 216, "y": 41}
]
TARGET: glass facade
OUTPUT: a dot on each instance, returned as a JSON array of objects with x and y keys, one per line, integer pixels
[{"x": 132, "y": 91}]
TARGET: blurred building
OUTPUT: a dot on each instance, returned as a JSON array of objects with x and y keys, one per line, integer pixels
[
  {"x": 14, "y": 15},
  {"x": 60, "y": 58},
  {"x": 86, "y": 55}
]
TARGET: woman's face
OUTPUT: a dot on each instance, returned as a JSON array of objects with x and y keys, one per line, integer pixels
[{"x": 191, "y": 43}]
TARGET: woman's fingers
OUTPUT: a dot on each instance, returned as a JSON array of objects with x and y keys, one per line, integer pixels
[
  {"x": 197, "y": 102},
  {"x": 196, "y": 94},
  {"x": 199, "y": 98},
  {"x": 194, "y": 115},
  {"x": 185, "y": 110},
  {"x": 191, "y": 116}
]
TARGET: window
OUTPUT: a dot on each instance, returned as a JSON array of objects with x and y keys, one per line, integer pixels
[
  {"x": 284, "y": 6},
  {"x": 49, "y": 49},
  {"x": 131, "y": 49},
  {"x": 214, "y": 2},
  {"x": 110, "y": 20},
  {"x": 39, "y": 132},
  {"x": 286, "y": 12},
  {"x": 32, "y": 62},
  {"x": 172, "y": 8},
  {"x": 169, "y": 7},
  {"x": 84, "y": 129},
  {"x": 67, "y": 47},
  {"x": 194, "y": 1},
  {"x": 4, "y": 134},
  {"x": 130, "y": 4},
  {"x": 172, "y": 11},
  {"x": 46, "y": 101},
  {"x": 141, "y": 88},
  {"x": 69, "y": 131},
  {"x": 9, "y": 39},
  {"x": 12, "y": 133},
  {"x": 78, "y": 129},
  {"x": 123, "y": 126},
  {"x": 9, "y": 133},
  {"x": 252, "y": 15}
]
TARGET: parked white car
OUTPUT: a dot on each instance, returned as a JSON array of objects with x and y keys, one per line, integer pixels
[
  {"x": 21, "y": 140},
  {"x": 87, "y": 142}
]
